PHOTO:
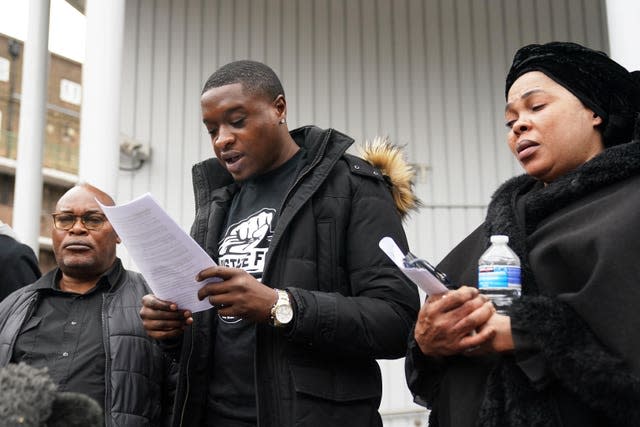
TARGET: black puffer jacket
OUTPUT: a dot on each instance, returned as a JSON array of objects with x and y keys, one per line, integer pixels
[
  {"x": 138, "y": 375},
  {"x": 353, "y": 304}
]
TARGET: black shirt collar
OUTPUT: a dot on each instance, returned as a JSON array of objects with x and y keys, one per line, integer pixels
[{"x": 109, "y": 280}]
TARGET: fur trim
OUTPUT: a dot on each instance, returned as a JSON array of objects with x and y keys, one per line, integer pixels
[{"x": 389, "y": 158}]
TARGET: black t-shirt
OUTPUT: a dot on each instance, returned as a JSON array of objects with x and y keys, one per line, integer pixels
[{"x": 249, "y": 227}]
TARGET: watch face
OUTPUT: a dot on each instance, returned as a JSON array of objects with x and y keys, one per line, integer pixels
[{"x": 284, "y": 313}]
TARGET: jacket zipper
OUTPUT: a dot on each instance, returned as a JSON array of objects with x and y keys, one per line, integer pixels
[
  {"x": 187, "y": 385},
  {"x": 107, "y": 363}
]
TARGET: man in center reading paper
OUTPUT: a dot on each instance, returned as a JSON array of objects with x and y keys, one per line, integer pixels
[{"x": 306, "y": 300}]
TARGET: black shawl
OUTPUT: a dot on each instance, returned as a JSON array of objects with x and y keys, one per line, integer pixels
[{"x": 577, "y": 358}]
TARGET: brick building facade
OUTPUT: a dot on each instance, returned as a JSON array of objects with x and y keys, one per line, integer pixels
[{"x": 62, "y": 134}]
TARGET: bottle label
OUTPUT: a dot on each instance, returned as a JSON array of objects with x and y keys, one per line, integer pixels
[{"x": 498, "y": 276}]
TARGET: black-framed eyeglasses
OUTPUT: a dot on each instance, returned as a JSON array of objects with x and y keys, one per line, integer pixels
[{"x": 91, "y": 221}]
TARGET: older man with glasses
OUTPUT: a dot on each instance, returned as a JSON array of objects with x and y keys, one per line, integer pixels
[{"x": 81, "y": 319}]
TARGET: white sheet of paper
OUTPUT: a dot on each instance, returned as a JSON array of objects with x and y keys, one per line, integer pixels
[
  {"x": 424, "y": 279},
  {"x": 167, "y": 257}
]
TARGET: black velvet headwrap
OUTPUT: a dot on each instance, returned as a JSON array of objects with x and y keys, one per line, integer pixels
[{"x": 600, "y": 83}]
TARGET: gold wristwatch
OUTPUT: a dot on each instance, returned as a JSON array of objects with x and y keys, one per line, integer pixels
[{"x": 281, "y": 311}]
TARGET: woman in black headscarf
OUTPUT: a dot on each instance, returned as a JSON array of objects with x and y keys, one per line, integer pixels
[{"x": 568, "y": 352}]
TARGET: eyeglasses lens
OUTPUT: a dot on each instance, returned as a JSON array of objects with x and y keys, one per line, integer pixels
[{"x": 66, "y": 221}]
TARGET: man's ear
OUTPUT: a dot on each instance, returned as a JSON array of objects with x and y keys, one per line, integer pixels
[
  {"x": 597, "y": 120},
  {"x": 280, "y": 103}
]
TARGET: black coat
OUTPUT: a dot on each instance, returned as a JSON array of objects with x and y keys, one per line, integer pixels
[
  {"x": 577, "y": 348},
  {"x": 18, "y": 265},
  {"x": 353, "y": 305}
]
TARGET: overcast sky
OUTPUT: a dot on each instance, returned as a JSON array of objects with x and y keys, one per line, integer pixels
[{"x": 66, "y": 26}]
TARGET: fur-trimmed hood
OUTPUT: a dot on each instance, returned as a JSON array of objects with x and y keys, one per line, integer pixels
[{"x": 400, "y": 175}]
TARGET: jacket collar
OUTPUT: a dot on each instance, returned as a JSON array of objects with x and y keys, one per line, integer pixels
[{"x": 321, "y": 143}]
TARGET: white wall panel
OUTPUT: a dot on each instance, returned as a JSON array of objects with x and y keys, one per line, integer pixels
[
  {"x": 427, "y": 73},
  {"x": 337, "y": 99},
  {"x": 160, "y": 127},
  {"x": 127, "y": 96},
  {"x": 191, "y": 111}
]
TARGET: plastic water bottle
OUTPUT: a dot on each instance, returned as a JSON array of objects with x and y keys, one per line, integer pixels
[{"x": 499, "y": 273}]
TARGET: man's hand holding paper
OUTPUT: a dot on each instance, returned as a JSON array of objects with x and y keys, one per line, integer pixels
[{"x": 162, "y": 319}]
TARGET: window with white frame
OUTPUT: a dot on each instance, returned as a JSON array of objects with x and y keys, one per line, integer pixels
[
  {"x": 70, "y": 92},
  {"x": 5, "y": 69}
]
